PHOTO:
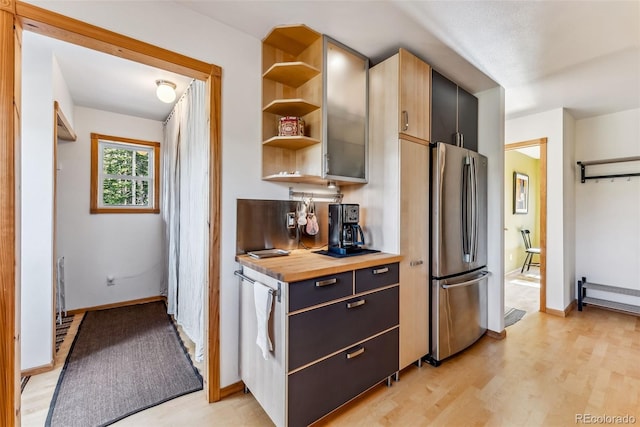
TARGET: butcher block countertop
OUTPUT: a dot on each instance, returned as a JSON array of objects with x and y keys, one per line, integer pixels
[{"x": 303, "y": 264}]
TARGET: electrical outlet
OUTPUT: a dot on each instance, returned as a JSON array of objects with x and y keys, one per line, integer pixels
[{"x": 291, "y": 220}]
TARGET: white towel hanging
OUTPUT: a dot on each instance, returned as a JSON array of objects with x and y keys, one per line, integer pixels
[{"x": 263, "y": 302}]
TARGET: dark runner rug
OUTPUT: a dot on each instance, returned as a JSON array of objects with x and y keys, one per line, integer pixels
[
  {"x": 512, "y": 315},
  {"x": 122, "y": 361}
]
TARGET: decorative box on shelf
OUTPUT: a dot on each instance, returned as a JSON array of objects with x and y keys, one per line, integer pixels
[{"x": 291, "y": 126}]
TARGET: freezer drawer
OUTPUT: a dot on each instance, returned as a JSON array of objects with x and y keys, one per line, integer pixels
[{"x": 459, "y": 308}]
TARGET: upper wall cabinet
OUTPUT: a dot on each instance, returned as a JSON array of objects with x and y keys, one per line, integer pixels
[
  {"x": 454, "y": 113},
  {"x": 413, "y": 83},
  {"x": 310, "y": 76}
]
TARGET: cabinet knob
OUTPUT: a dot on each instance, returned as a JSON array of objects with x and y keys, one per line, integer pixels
[
  {"x": 414, "y": 263},
  {"x": 405, "y": 120},
  {"x": 381, "y": 270}
]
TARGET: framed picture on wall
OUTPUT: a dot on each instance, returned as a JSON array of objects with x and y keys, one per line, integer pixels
[{"x": 520, "y": 193}]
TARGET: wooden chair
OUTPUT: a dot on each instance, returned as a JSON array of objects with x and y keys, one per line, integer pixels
[{"x": 528, "y": 260}]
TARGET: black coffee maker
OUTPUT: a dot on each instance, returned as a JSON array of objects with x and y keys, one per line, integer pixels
[{"x": 345, "y": 235}]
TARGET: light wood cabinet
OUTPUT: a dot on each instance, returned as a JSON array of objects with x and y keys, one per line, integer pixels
[
  {"x": 298, "y": 79},
  {"x": 414, "y": 95},
  {"x": 414, "y": 246},
  {"x": 395, "y": 202},
  {"x": 291, "y": 86}
]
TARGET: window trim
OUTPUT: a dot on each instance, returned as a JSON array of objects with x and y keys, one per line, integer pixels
[{"x": 94, "y": 206}]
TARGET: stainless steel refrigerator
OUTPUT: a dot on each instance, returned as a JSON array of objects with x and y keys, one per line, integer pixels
[{"x": 458, "y": 250}]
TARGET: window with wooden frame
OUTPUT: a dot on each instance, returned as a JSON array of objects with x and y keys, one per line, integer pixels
[{"x": 125, "y": 175}]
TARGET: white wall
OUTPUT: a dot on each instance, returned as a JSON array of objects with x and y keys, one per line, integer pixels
[
  {"x": 491, "y": 139},
  {"x": 550, "y": 124},
  {"x": 608, "y": 212},
  {"x": 37, "y": 206},
  {"x": 173, "y": 27},
  {"x": 127, "y": 246},
  {"x": 61, "y": 91},
  {"x": 569, "y": 210}
]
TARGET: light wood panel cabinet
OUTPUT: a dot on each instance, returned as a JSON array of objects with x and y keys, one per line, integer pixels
[
  {"x": 413, "y": 81},
  {"x": 395, "y": 203},
  {"x": 414, "y": 245},
  {"x": 309, "y": 75}
]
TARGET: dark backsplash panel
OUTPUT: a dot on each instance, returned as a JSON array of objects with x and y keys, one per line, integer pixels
[{"x": 262, "y": 225}]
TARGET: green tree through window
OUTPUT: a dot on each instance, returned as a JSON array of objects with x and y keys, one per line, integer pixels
[{"x": 127, "y": 174}]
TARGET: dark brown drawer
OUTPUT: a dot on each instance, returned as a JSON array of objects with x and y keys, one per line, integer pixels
[
  {"x": 320, "y": 289},
  {"x": 377, "y": 277},
  {"x": 326, "y": 385},
  {"x": 315, "y": 333}
]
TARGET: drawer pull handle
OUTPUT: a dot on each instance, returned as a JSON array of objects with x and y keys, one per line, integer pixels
[
  {"x": 326, "y": 282},
  {"x": 381, "y": 270},
  {"x": 414, "y": 263},
  {"x": 356, "y": 303},
  {"x": 356, "y": 353}
]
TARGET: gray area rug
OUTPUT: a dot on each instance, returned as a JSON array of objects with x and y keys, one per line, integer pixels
[
  {"x": 122, "y": 361},
  {"x": 512, "y": 315}
]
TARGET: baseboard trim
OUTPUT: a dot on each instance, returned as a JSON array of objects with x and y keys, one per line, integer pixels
[
  {"x": 231, "y": 389},
  {"x": 37, "y": 370},
  {"x": 562, "y": 313},
  {"x": 118, "y": 304},
  {"x": 496, "y": 335}
]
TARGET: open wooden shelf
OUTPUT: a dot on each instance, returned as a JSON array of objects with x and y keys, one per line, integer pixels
[
  {"x": 291, "y": 142},
  {"x": 297, "y": 178},
  {"x": 292, "y": 39},
  {"x": 292, "y": 74},
  {"x": 290, "y": 107}
]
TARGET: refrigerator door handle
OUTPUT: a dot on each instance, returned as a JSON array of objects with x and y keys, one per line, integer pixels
[
  {"x": 466, "y": 214},
  {"x": 485, "y": 274},
  {"x": 474, "y": 211}
]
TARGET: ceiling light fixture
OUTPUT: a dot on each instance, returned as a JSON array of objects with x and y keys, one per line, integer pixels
[
  {"x": 166, "y": 91},
  {"x": 331, "y": 184}
]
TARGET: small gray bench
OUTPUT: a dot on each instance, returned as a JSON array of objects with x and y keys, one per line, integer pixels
[{"x": 583, "y": 299}]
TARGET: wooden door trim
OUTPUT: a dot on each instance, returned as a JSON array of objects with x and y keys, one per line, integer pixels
[
  {"x": 9, "y": 214},
  {"x": 542, "y": 143},
  {"x": 71, "y": 30},
  {"x": 58, "y": 26}
]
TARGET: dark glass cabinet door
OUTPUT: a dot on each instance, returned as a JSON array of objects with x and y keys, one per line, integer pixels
[
  {"x": 468, "y": 119},
  {"x": 443, "y": 109}
]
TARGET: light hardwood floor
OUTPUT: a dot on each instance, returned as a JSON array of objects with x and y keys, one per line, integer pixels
[{"x": 546, "y": 371}]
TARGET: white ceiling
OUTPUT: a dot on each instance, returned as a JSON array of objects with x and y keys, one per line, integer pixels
[
  {"x": 110, "y": 83},
  {"x": 581, "y": 55}
]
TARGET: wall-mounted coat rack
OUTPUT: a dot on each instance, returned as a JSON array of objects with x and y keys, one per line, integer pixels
[{"x": 583, "y": 165}]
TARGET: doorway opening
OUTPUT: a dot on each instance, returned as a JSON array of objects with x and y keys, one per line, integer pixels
[
  {"x": 32, "y": 18},
  {"x": 525, "y": 230}
]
